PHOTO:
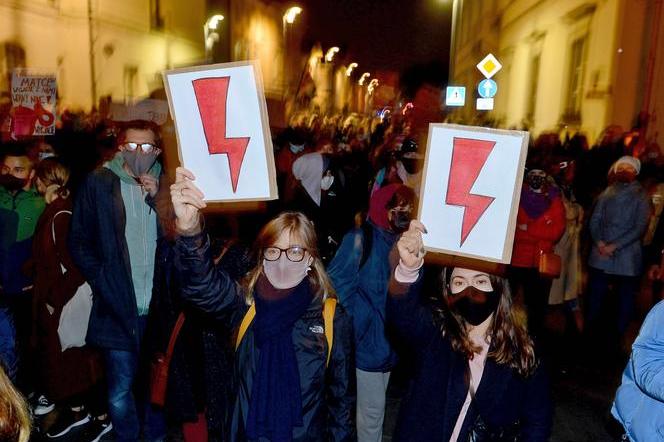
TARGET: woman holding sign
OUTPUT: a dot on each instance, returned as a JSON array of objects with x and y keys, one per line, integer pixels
[
  {"x": 293, "y": 349},
  {"x": 476, "y": 374}
]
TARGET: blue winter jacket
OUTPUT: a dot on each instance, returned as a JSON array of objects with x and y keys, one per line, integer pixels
[
  {"x": 639, "y": 403},
  {"x": 620, "y": 217},
  {"x": 363, "y": 293}
]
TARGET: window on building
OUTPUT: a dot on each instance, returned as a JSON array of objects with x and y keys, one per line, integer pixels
[
  {"x": 14, "y": 56},
  {"x": 575, "y": 80},
  {"x": 130, "y": 76},
  {"x": 532, "y": 88},
  {"x": 156, "y": 17}
]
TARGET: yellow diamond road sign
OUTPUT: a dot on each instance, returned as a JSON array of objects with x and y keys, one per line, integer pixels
[{"x": 489, "y": 66}]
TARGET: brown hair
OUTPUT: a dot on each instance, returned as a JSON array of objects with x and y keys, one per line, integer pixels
[
  {"x": 51, "y": 171},
  {"x": 139, "y": 125},
  {"x": 510, "y": 343},
  {"x": 14, "y": 416},
  {"x": 303, "y": 232}
]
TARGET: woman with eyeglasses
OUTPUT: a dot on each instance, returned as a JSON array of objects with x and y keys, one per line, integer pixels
[
  {"x": 293, "y": 358},
  {"x": 476, "y": 375}
]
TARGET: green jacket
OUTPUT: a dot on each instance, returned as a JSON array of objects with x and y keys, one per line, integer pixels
[{"x": 19, "y": 214}]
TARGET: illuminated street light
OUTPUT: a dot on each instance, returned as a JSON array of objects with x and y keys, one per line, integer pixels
[
  {"x": 210, "y": 34},
  {"x": 350, "y": 68},
  {"x": 291, "y": 14},
  {"x": 329, "y": 55},
  {"x": 373, "y": 84},
  {"x": 363, "y": 77}
]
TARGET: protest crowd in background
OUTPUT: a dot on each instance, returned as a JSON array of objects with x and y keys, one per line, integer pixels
[{"x": 90, "y": 209}]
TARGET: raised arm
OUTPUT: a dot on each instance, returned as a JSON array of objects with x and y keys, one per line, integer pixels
[
  {"x": 407, "y": 317},
  {"x": 202, "y": 284}
]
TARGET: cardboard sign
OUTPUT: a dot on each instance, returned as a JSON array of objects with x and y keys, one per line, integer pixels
[
  {"x": 471, "y": 189},
  {"x": 148, "y": 109},
  {"x": 223, "y": 130},
  {"x": 33, "y": 103}
]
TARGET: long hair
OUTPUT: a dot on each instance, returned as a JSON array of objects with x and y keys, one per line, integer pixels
[
  {"x": 14, "y": 416},
  {"x": 52, "y": 172},
  {"x": 302, "y": 232},
  {"x": 510, "y": 343}
]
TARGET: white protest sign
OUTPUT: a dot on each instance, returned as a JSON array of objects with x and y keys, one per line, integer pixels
[
  {"x": 470, "y": 190},
  {"x": 33, "y": 103},
  {"x": 148, "y": 109},
  {"x": 223, "y": 130}
]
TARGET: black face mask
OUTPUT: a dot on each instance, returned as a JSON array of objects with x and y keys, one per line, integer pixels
[
  {"x": 474, "y": 305},
  {"x": 536, "y": 182},
  {"x": 139, "y": 163},
  {"x": 400, "y": 221},
  {"x": 11, "y": 183}
]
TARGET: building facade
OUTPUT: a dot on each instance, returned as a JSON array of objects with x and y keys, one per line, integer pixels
[
  {"x": 567, "y": 64},
  {"x": 100, "y": 48}
]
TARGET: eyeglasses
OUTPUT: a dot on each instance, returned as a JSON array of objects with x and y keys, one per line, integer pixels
[
  {"x": 145, "y": 147},
  {"x": 294, "y": 254}
]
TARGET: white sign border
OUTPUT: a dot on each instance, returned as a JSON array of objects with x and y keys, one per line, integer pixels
[
  {"x": 516, "y": 195},
  {"x": 265, "y": 122}
]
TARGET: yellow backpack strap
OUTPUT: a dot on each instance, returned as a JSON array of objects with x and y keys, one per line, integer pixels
[
  {"x": 329, "y": 308},
  {"x": 244, "y": 325}
]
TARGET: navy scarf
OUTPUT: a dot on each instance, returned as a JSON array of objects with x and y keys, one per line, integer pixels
[{"x": 275, "y": 406}]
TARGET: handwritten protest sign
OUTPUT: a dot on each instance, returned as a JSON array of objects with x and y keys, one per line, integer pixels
[
  {"x": 470, "y": 191},
  {"x": 223, "y": 131},
  {"x": 33, "y": 103}
]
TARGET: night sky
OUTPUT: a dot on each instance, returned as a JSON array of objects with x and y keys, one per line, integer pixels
[{"x": 407, "y": 36}]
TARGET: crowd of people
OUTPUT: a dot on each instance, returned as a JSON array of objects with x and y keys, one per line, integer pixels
[{"x": 112, "y": 265}]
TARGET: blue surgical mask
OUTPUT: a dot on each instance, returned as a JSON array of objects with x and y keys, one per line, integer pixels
[{"x": 296, "y": 148}]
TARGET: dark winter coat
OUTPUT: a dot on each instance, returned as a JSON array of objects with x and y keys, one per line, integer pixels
[
  {"x": 328, "y": 394},
  {"x": 430, "y": 409},
  {"x": 74, "y": 371},
  {"x": 362, "y": 290},
  {"x": 98, "y": 247}
]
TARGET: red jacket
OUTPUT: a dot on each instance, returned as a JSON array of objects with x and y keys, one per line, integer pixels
[{"x": 540, "y": 235}]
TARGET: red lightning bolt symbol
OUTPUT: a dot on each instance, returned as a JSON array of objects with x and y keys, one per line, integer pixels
[
  {"x": 211, "y": 95},
  {"x": 468, "y": 159}
]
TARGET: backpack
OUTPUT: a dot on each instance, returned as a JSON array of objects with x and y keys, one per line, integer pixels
[{"x": 329, "y": 307}]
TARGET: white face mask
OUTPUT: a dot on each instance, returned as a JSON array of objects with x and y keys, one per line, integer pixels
[
  {"x": 326, "y": 182},
  {"x": 284, "y": 273}
]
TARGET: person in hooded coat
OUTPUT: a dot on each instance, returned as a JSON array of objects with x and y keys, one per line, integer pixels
[{"x": 360, "y": 272}]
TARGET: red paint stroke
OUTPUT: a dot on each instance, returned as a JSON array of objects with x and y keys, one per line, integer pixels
[
  {"x": 212, "y": 95},
  {"x": 468, "y": 159}
]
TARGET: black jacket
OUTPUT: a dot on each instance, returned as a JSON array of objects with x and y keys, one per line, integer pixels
[
  {"x": 438, "y": 389},
  {"x": 328, "y": 395},
  {"x": 98, "y": 247}
]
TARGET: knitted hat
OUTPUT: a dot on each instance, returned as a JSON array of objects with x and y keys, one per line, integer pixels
[{"x": 634, "y": 162}]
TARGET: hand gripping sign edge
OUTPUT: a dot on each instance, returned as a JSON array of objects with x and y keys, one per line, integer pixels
[
  {"x": 212, "y": 99},
  {"x": 468, "y": 159}
]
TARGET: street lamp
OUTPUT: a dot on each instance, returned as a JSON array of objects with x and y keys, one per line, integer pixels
[
  {"x": 329, "y": 55},
  {"x": 210, "y": 33},
  {"x": 373, "y": 84},
  {"x": 363, "y": 77},
  {"x": 291, "y": 14},
  {"x": 350, "y": 68}
]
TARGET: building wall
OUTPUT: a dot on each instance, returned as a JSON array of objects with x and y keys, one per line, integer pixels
[
  {"x": 129, "y": 51},
  {"x": 610, "y": 61}
]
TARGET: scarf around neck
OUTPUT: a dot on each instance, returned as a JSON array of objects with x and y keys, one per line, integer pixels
[{"x": 275, "y": 406}]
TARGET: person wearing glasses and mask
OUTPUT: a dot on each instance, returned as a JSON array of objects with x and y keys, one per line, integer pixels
[
  {"x": 294, "y": 360},
  {"x": 113, "y": 240},
  {"x": 476, "y": 374},
  {"x": 360, "y": 272}
]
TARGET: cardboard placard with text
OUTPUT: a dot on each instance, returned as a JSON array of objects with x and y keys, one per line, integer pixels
[
  {"x": 471, "y": 189},
  {"x": 33, "y": 103},
  {"x": 223, "y": 130}
]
